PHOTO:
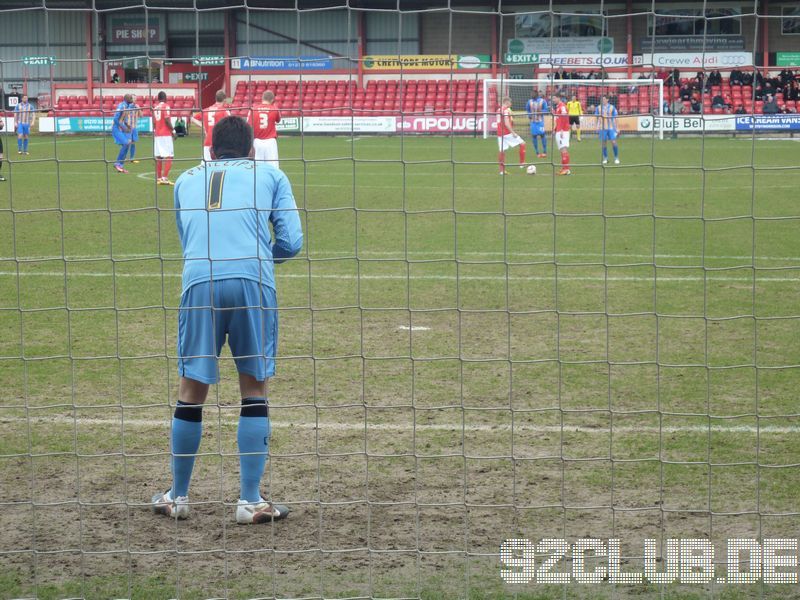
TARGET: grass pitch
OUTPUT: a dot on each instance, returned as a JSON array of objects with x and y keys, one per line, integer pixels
[{"x": 464, "y": 358}]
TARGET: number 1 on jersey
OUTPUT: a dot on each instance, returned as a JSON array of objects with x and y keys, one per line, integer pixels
[{"x": 215, "y": 190}]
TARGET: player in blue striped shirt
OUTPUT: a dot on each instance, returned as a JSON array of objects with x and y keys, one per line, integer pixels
[
  {"x": 121, "y": 131},
  {"x": 24, "y": 116},
  {"x": 537, "y": 108},
  {"x": 224, "y": 210},
  {"x": 608, "y": 128}
]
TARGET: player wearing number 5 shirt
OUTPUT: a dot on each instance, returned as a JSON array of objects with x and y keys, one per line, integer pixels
[
  {"x": 263, "y": 118},
  {"x": 210, "y": 117}
]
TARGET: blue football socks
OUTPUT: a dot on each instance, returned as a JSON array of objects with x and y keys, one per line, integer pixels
[
  {"x": 121, "y": 156},
  {"x": 253, "y": 440},
  {"x": 187, "y": 430}
]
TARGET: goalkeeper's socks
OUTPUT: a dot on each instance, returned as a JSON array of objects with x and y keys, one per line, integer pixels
[
  {"x": 25, "y": 145},
  {"x": 187, "y": 429},
  {"x": 535, "y": 145},
  {"x": 579, "y": 134},
  {"x": 121, "y": 156},
  {"x": 616, "y": 151},
  {"x": 253, "y": 440}
]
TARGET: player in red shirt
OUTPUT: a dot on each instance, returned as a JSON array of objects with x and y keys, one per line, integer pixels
[
  {"x": 211, "y": 116},
  {"x": 163, "y": 133},
  {"x": 561, "y": 128},
  {"x": 507, "y": 137},
  {"x": 263, "y": 118}
]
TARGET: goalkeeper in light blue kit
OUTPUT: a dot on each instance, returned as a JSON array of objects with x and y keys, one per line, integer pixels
[
  {"x": 537, "y": 108},
  {"x": 224, "y": 210},
  {"x": 608, "y": 128}
]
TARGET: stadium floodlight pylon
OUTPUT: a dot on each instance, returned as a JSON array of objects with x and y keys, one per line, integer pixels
[{"x": 632, "y": 97}]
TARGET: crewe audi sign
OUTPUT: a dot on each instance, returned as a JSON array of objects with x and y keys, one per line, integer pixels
[{"x": 699, "y": 60}]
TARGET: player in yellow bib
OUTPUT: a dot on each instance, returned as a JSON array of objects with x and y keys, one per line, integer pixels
[{"x": 575, "y": 110}]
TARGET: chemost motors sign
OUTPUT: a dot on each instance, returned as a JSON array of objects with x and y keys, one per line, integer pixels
[{"x": 426, "y": 62}]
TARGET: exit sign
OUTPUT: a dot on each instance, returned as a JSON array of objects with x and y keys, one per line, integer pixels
[
  {"x": 38, "y": 61},
  {"x": 521, "y": 59},
  {"x": 208, "y": 61},
  {"x": 195, "y": 76}
]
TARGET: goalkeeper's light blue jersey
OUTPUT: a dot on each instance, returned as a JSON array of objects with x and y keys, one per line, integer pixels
[{"x": 223, "y": 213}]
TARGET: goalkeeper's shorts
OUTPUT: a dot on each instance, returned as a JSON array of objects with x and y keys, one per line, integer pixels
[{"x": 241, "y": 309}]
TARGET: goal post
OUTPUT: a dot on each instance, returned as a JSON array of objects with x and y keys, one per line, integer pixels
[{"x": 633, "y": 97}]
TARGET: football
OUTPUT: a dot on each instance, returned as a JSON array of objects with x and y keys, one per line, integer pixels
[{"x": 531, "y": 170}]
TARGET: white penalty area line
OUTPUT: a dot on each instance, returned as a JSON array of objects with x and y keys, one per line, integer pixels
[
  {"x": 429, "y": 254},
  {"x": 365, "y": 426},
  {"x": 710, "y": 277}
]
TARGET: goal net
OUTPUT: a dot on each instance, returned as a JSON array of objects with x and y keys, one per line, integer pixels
[
  {"x": 518, "y": 386},
  {"x": 633, "y": 98}
]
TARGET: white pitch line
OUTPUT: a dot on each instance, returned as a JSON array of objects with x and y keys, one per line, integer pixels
[
  {"x": 775, "y": 429},
  {"x": 710, "y": 277},
  {"x": 413, "y": 328}
]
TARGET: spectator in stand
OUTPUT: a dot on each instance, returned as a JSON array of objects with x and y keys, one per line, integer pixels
[
  {"x": 698, "y": 80},
  {"x": 747, "y": 79},
  {"x": 792, "y": 91},
  {"x": 696, "y": 106},
  {"x": 771, "y": 106},
  {"x": 114, "y": 77},
  {"x": 686, "y": 92},
  {"x": 785, "y": 76},
  {"x": 758, "y": 93},
  {"x": 769, "y": 88},
  {"x": 740, "y": 110},
  {"x": 677, "y": 107},
  {"x": 715, "y": 78},
  {"x": 663, "y": 75},
  {"x": 718, "y": 102},
  {"x": 736, "y": 77},
  {"x": 674, "y": 77}
]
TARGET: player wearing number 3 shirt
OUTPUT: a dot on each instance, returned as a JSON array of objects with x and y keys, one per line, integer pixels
[
  {"x": 211, "y": 116},
  {"x": 263, "y": 119}
]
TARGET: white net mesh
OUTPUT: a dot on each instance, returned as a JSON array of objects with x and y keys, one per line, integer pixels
[{"x": 463, "y": 359}]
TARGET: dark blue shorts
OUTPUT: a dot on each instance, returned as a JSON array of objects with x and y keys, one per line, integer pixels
[{"x": 242, "y": 310}]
